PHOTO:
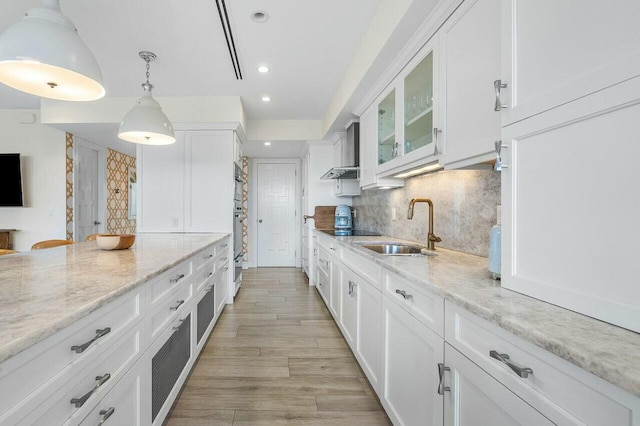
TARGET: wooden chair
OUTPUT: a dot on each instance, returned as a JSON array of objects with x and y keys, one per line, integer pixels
[
  {"x": 7, "y": 251},
  {"x": 49, "y": 244},
  {"x": 91, "y": 237}
]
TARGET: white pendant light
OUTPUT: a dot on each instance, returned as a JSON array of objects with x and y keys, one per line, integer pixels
[
  {"x": 43, "y": 55},
  {"x": 146, "y": 123}
]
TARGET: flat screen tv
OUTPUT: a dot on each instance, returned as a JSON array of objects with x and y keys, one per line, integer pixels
[{"x": 10, "y": 181}]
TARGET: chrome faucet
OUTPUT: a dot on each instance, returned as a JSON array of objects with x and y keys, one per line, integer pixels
[{"x": 432, "y": 238}]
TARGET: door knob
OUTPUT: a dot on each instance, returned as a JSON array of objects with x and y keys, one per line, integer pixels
[{"x": 259, "y": 220}]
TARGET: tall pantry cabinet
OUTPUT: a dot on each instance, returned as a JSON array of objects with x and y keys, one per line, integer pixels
[{"x": 188, "y": 186}]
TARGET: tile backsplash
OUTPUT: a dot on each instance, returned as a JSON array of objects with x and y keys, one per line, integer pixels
[{"x": 464, "y": 209}]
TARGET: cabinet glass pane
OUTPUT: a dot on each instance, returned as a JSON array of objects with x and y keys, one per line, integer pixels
[
  {"x": 418, "y": 106},
  {"x": 387, "y": 129}
]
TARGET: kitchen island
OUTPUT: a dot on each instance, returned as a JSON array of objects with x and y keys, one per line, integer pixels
[
  {"x": 69, "y": 312},
  {"x": 538, "y": 351}
]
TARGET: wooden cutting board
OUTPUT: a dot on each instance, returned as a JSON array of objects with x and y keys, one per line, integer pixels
[{"x": 323, "y": 217}]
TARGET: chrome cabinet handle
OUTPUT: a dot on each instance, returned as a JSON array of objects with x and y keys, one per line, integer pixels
[
  {"x": 394, "y": 153},
  {"x": 209, "y": 256},
  {"x": 352, "y": 288},
  {"x": 83, "y": 347},
  {"x": 176, "y": 279},
  {"x": 441, "y": 387},
  {"x": 332, "y": 249},
  {"x": 100, "y": 380},
  {"x": 436, "y": 131},
  {"x": 403, "y": 294},
  {"x": 209, "y": 274},
  {"x": 498, "y": 85},
  {"x": 105, "y": 414},
  {"x": 498, "y": 147},
  {"x": 504, "y": 358},
  {"x": 175, "y": 308}
]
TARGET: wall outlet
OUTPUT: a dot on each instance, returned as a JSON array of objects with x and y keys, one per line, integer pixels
[{"x": 394, "y": 213}]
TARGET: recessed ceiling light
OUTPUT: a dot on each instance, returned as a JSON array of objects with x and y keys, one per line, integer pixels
[
  {"x": 266, "y": 99},
  {"x": 267, "y": 144},
  {"x": 260, "y": 16},
  {"x": 263, "y": 68}
]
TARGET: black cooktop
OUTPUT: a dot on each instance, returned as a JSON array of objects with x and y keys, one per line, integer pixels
[{"x": 356, "y": 233}]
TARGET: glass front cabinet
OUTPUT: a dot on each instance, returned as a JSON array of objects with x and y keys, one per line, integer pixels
[{"x": 408, "y": 115}]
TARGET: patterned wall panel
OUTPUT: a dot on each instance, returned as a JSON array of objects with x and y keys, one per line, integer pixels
[
  {"x": 245, "y": 205},
  {"x": 69, "y": 175},
  {"x": 120, "y": 171}
]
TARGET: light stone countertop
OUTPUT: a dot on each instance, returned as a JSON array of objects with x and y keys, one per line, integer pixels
[
  {"x": 607, "y": 351},
  {"x": 44, "y": 291}
]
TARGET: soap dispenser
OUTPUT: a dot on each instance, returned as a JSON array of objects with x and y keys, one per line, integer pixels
[{"x": 494, "y": 247}]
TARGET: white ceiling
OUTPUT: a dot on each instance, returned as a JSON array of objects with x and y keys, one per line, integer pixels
[{"x": 308, "y": 45}]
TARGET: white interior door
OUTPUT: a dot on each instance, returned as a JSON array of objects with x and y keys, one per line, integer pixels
[
  {"x": 86, "y": 194},
  {"x": 276, "y": 214}
]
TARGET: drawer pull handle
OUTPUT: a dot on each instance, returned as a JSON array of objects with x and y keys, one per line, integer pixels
[
  {"x": 100, "y": 380},
  {"x": 176, "y": 279},
  {"x": 404, "y": 294},
  {"x": 209, "y": 256},
  {"x": 332, "y": 249},
  {"x": 101, "y": 332},
  {"x": 175, "y": 308},
  {"x": 105, "y": 414},
  {"x": 441, "y": 387},
  {"x": 177, "y": 327},
  {"x": 504, "y": 358},
  {"x": 209, "y": 274}
]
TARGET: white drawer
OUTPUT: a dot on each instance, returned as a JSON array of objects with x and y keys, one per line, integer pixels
[
  {"x": 202, "y": 276},
  {"x": 425, "y": 306},
  {"x": 364, "y": 267},
  {"x": 169, "y": 309},
  {"x": 221, "y": 262},
  {"x": 167, "y": 282},
  {"x": 88, "y": 386},
  {"x": 201, "y": 259},
  {"x": 563, "y": 392},
  {"x": 124, "y": 404},
  {"x": 32, "y": 373},
  {"x": 324, "y": 261}
]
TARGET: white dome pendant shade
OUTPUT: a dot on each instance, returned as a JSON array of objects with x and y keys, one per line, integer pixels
[
  {"x": 146, "y": 123},
  {"x": 44, "y": 56}
]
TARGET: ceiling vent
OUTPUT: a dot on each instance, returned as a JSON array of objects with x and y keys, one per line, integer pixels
[{"x": 228, "y": 35}]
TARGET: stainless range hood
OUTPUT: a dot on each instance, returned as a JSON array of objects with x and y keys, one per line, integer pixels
[{"x": 350, "y": 156}]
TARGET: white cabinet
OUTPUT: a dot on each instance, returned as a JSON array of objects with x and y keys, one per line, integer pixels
[
  {"x": 569, "y": 225},
  {"x": 470, "y": 62},
  {"x": 411, "y": 354},
  {"x": 335, "y": 279},
  {"x": 369, "y": 310},
  {"x": 348, "y": 307},
  {"x": 408, "y": 116},
  {"x": 160, "y": 172},
  {"x": 124, "y": 404},
  {"x": 558, "y": 51},
  {"x": 208, "y": 190},
  {"x": 369, "y": 153},
  {"x": 187, "y": 186},
  {"x": 473, "y": 397}
]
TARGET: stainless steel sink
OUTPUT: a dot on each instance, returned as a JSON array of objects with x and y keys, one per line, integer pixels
[{"x": 398, "y": 249}]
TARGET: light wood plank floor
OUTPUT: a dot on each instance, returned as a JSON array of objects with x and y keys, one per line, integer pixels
[{"x": 276, "y": 357}]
